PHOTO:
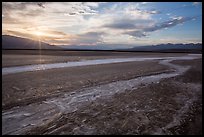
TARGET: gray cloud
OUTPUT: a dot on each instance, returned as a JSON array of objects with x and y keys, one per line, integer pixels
[
  {"x": 8, "y": 6},
  {"x": 167, "y": 24},
  {"x": 21, "y": 8},
  {"x": 41, "y": 4},
  {"x": 21, "y": 5},
  {"x": 72, "y": 13},
  {"x": 89, "y": 38},
  {"x": 137, "y": 34},
  {"x": 127, "y": 23},
  {"x": 92, "y": 34},
  {"x": 120, "y": 25}
]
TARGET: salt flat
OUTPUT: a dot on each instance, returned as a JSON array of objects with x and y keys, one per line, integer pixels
[{"x": 38, "y": 99}]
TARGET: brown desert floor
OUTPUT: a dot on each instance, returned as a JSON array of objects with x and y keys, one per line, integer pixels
[
  {"x": 27, "y": 87},
  {"x": 172, "y": 107},
  {"x": 21, "y": 57}
]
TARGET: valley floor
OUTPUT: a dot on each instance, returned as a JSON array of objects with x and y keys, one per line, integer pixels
[{"x": 141, "y": 97}]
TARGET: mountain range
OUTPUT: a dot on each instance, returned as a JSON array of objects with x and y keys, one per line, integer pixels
[
  {"x": 12, "y": 42},
  {"x": 169, "y": 47}
]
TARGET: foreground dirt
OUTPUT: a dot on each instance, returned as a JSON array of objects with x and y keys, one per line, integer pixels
[
  {"x": 173, "y": 107},
  {"x": 28, "y": 87}
]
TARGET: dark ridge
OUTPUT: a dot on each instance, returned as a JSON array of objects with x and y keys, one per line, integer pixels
[{"x": 18, "y": 43}]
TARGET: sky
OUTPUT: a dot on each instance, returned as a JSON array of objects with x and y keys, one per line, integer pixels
[{"x": 111, "y": 24}]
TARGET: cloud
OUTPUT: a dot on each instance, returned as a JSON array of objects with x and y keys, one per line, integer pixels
[
  {"x": 91, "y": 4},
  {"x": 168, "y": 24},
  {"x": 73, "y": 8},
  {"x": 17, "y": 6},
  {"x": 196, "y": 3},
  {"x": 136, "y": 34},
  {"x": 41, "y": 4},
  {"x": 153, "y": 11},
  {"x": 163, "y": 25},
  {"x": 18, "y": 33},
  {"x": 124, "y": 17},
  {"x": 33, "y": 9},
  {"x": 9, "y": 6},
  {"x": 49, "y": 36},
  {"x": 120, "y": 25},
  {"x": 88, "y": 38},
  {"x": 55, "y": 32},
  {"x": 20, "y": 12},
  {"x": 128, "y": 23},
  {"x": 130, "y": 10},
  {"x": 85, "y": 22},
  {"x": 67, "y": 15}
]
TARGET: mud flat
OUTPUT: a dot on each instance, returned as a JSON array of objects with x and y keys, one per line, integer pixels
[
  {"x": 12, "y": 58},
  {"x": 151, "y": 97},
  {"x": 24, "y": 88}
]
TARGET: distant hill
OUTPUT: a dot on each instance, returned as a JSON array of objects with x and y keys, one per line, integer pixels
[
  {"x": 191, "y": 47},
  {"x": 12, "y": 42},
  {"x": 86, "y": 47}
]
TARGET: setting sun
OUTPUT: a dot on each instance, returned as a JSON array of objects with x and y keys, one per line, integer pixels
[{"x": 38, "y": 33}]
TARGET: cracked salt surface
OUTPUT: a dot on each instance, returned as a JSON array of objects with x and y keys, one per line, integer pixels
[
  {"x": 20, "y": 119},
  {"x": 177, "y": 118}
]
